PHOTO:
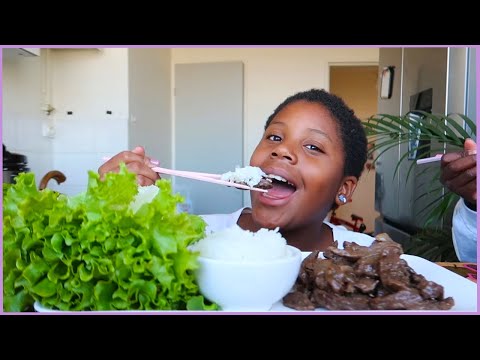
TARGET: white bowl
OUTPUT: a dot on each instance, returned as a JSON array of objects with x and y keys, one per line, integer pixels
[{"x": 248, "y": 286}]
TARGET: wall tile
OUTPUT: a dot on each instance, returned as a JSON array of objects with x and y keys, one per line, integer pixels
[{"x": 75, "y": 166}]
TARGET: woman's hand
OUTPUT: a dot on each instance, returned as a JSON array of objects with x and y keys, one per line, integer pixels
[
  {"x": 459, "y": 172},
  {"x": 136, "y": 162}
]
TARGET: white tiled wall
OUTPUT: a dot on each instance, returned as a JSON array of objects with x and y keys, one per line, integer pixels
[
  {"x": 86, "y": 82},
  {"x": 22, "y": 117}
]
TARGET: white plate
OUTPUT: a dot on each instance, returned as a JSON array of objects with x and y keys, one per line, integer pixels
[
  {"x": 42, "y": 309},
  {"x": 463, "y": 291}
]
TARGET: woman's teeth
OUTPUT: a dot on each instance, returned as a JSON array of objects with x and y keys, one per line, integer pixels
[{"x": 279, "y": 178}]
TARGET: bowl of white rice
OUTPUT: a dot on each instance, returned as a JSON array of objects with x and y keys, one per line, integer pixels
[{"x": 244, "y": 271}]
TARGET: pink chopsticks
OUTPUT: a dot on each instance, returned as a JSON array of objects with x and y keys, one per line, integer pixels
[
  {"x": 185, "y": 173},
  {"x": 438, "y": 157},
  {"x": 211, "y": 178}
]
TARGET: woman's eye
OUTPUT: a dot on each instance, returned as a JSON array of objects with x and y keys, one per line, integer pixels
[
  {"x": 313, "y": 148},
  {"x": 274, "y": 138}
]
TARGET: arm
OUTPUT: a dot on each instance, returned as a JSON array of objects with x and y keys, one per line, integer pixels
[
  {"x": 459, "y": 175},
  {"x": 464, "y": 232},
  {"x": 136, "y": 161}
]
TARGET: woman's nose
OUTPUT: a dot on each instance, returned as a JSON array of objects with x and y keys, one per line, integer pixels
[{"x": 284, "y": 152}]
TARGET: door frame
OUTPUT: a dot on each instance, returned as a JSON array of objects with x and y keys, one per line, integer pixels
[
  {"x": 344, "y": 63},
  {"x": 370, "y": 227}
]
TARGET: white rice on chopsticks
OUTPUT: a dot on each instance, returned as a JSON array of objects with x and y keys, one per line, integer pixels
[{"x": 248, "y": 175}]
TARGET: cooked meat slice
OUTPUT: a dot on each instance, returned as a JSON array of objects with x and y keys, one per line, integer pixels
[
  {"x": 340, "y": 260},
  {"x": 303, "y": 280},
  {"x": 401, "y": 300},
  {"x": 351, "y": 251},
  {"x": 366, "y": 266},
  {"x": 430, "y": 290},
  {"x": 264, "y": 184},
  {"x": 319, "y": 273},
  {"x": 298, "y": 301},
  {"x": 381, "y": 291},
  {"x": 416, "y": 278},
  {"x": 332, "y": 301},
  {"x": 409, "y": 300},
  {"x": 394, "y": 273},
  {"x": 340, "y": 278},
  {"x": 445, "y": 304},
  {"x": 306, "y": 275},
  {"x": 366, "y": 285},
  {"x": 386, "y": 246},
  {"x": 310, "y": 261},
  {"x": 320, "y": 267}
]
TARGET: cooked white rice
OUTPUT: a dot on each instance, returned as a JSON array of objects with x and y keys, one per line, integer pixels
[
  {"x": 241, "y": 245},
  {"x": 250, "y": 175}
]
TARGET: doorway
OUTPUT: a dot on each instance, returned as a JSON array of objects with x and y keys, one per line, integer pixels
[{"x": 357, "y": 85}]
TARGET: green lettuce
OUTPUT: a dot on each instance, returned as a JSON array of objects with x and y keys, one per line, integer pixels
[{"x": 95, "y": 251}]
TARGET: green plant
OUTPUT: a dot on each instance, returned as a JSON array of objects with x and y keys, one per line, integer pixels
[
  {"x": 427, "y": 134},
  {"x": 432, "y": 244}
]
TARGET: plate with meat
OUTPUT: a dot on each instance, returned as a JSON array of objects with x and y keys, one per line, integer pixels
[
  {"x": 371, "y": 278},
  {"x": 376, "y": 277}
]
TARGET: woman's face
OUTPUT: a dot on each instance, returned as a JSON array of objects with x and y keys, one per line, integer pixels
[{"x": 302, "y": 144}]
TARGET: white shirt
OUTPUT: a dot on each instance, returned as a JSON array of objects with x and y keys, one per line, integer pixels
[
  {"x": 464, "y": 232},
  {"x": 217, "y": 222}
]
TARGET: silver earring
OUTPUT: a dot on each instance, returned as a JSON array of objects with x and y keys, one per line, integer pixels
[{"x": 342, "y": 198}]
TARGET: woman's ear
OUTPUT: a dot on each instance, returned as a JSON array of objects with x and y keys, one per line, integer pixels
[{"x": 345, "y": 192}]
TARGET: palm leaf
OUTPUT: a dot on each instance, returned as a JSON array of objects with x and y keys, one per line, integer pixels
[
  {"x": 387, "y": 131},
  {"x": 470, "y": 124},
  {"x": 438, "y": 212},
  {"x": 388, "y": 146},
  {"x": 433, "y": 245}
]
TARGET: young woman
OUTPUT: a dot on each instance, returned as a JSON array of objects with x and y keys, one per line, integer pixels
[{"x": 318, "y": 146}]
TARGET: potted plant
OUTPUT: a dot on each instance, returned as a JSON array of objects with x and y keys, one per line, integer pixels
[{"x": 425, "y": 134}]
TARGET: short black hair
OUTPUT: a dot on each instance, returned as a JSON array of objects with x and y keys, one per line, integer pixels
[{"x": 352, "y": 132}]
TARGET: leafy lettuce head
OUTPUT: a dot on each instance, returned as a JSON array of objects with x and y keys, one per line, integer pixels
[{"x": 108, "y": 248}]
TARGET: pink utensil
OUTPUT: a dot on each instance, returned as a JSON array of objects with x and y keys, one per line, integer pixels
[{"x": 211, "y": 178}]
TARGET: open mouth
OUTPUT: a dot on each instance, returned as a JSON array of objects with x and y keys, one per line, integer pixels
[{"x": 281, "y": 187}]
